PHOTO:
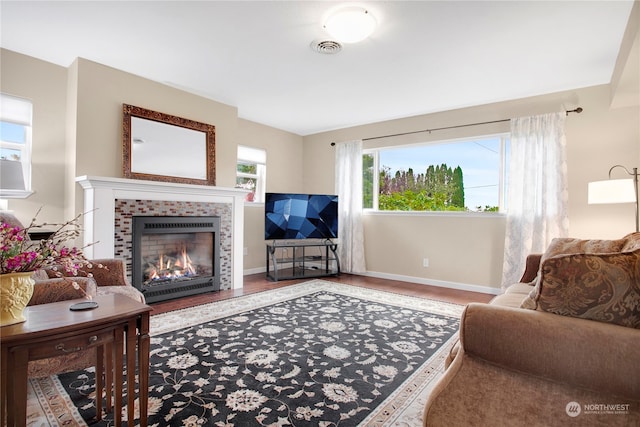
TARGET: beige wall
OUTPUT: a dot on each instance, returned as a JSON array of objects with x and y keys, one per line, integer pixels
[
  {"x": 102, "y": 90},
  {"x": 77, "y": 130},
  {"x": 468, "y": 250},
  {"x": 601, "y": 138},
  {"x": 45, "y": 84},
  {"x": 284, "y": 175},
  {"x": 77, "y": 125}
]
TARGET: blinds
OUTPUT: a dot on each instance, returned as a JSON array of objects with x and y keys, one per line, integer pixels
[
  {"x": 252, "y": 155},
  {"x": 15, "y": 110}
]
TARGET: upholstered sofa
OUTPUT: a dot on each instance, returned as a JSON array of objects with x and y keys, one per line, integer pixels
[
  {"x": 560, "y": 348},
  {"x": 103, "y": 276}
]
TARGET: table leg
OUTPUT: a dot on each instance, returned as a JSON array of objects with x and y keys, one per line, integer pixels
[
  {"x": 118, "y": 347},
  {"x": 3, "y": 385},
  {"x": 144, "y": 344},
  {"x": 108, "y": 376},
  {"x": 99, "y": 380},
  {"x": 17, "y": 399},
  {"x": 131, "y": 369}
]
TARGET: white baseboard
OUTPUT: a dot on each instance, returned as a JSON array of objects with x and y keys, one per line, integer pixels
[
  {"x": 422, "y": 281},
  {"x": 432, "y": 282},
  {"x": 254, "y": 270}
]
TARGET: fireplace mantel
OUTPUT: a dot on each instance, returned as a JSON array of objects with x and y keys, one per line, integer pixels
[{"x": 101, "y": 193}]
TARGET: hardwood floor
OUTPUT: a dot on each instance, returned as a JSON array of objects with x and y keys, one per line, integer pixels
[{"x": 258, "y": 283}]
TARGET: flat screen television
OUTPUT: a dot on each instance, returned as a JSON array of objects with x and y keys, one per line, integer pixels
[{"x": 300, "y": 216}]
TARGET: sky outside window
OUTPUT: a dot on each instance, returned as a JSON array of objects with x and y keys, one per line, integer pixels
[{"x": 11, "y": 132}]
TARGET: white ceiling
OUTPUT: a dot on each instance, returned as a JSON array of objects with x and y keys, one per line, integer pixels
[{"x": 425, "y": 56}]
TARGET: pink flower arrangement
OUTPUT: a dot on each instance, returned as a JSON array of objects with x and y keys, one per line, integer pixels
[{"x": 19, "y": 254}]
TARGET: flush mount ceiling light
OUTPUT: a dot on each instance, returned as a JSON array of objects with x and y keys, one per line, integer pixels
[{"x": 350, "y": 24}]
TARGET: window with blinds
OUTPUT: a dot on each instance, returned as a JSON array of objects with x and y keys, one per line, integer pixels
[
  {"x": 15, "y": 146},
  {"x": 251, "y": 172}
]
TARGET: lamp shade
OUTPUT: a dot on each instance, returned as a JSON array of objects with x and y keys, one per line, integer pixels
[
  {"x": 612, "y": 191},
  {"x": 11, "y": 176}
]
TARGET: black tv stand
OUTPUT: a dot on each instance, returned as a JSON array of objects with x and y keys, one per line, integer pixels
[{"x": 300, "y": 259}]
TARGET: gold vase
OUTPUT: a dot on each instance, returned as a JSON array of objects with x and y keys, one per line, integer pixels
[{"x": 15, "y": 292}]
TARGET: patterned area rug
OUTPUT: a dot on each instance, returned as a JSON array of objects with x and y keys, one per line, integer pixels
[{"x": 314, "y": 354}]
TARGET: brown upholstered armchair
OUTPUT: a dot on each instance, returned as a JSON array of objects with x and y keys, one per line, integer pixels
[
  {"x": 107, "y": 276},
  {"x": 103, "y": 277}
]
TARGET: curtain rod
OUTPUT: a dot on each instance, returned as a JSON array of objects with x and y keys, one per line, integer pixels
[{"x": 576, "y": 110}]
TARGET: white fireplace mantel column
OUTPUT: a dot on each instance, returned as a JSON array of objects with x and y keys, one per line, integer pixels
[{"x": 101, "y": 193}]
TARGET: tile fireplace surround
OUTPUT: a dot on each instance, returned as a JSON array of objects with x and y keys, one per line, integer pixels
[{"x": 109, "y": 204}]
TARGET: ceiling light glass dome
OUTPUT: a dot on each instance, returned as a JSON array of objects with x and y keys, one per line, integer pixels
[{"x": 350, "y": 25}]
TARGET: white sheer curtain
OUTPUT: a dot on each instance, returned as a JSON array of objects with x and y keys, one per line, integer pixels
[
  {"x": 349, "y": 189},
  {"x": 537, "y": 192}
]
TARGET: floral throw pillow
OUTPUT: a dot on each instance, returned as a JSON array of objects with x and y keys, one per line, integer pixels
[
  {"x": 565, "y": 246},
  {"x": 601, "y": 287},
  {"x": 632, "y": 242}
]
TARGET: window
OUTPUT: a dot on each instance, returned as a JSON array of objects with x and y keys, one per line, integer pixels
[
  {"x": 15, "y": 146},
  {"x": 463, "y": 175},
  {"x": 251, "y": 172}
]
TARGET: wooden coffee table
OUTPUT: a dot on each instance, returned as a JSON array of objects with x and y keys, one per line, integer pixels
[{"x": 50, "y": 330}]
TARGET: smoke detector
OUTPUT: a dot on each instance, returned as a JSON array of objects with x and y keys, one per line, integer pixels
[{"x": 328, "y": 47}]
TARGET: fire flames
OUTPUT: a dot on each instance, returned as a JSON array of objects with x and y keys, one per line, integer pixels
[{"x": 170, "y": 267}]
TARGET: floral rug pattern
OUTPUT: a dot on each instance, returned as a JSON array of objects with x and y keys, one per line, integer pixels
[{"x": 319, "y": 354}]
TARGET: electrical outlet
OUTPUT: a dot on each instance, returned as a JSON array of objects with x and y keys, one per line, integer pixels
[{"x": 425, "y": 262}]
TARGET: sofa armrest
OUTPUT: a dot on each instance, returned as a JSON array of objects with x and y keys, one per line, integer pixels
[
  {"x": 61, "y": 289},
  {"x": 586, "y": 353},
  {"x": 531, "y": 268}
]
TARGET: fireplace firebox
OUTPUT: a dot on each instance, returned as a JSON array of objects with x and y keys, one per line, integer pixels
[{"x": 175, "y": 257}]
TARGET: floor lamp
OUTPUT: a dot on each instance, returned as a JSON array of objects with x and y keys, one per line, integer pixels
[{"x": 616, "y": 190}]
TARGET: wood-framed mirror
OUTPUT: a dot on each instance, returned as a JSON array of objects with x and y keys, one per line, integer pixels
[{"x": 162, "y": 147}]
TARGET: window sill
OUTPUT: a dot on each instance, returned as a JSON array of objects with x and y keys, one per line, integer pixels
[
  {"x": 15, "y": 194},
  {"x": 437, "y": 213}
]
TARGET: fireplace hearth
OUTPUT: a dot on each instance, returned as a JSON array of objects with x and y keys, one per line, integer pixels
[{"x": 175, "y": 256}]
